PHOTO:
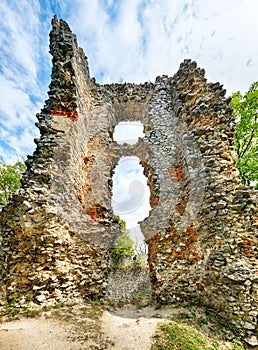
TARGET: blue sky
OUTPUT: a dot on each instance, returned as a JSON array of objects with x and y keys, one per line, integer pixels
[{"x": 129, "y": 40}]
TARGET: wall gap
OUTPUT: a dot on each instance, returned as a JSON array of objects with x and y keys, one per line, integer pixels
[
  {"x": 128, "y": 132},
  {"x": 131, "y": 202},
  {"x": 130, "y": 191},
  {"x": 131, "y": 198}
]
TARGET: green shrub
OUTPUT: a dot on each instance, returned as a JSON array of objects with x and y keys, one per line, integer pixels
[{"x": 123, "y": 246}]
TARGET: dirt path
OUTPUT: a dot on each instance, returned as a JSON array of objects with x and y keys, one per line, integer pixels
[
  {"x": 36, "y": 334},
  {"x": 130, "y": 329},
  {"x": 124, "y": 329},
  {"x": 86, "y": 327}
]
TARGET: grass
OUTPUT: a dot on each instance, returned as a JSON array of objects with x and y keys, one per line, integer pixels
[
  {"x": 141, "y": 301},
  {"x": 179, "y": 336},
  {"x": 207, "y": 321}
]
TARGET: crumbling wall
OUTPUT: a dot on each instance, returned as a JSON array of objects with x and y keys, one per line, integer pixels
[
  {"x": 121, "y": 288},
  {"x": 208, "y": 252},
  {"x": 202, "y": 229},
  {"x": 55, "y": 246}
]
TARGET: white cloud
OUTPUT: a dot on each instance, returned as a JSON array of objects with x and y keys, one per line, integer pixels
[
  {"x": 17, "y": 129},
  {"x": 149, "y": 38},
  {"x": 128, "y": 132},
  {"x": 131, "y": 193},
  {"x": 20, "y": 40},
  {"x": 14, "y": 103},
  {"x": 135, "y": 40},
  {"x": 21, "y": 95},
  {"x": 221, "y": 41}
]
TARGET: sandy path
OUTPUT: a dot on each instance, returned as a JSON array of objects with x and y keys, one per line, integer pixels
[
  {"x": 131, "y": 329},
  {"x": 129, "y": 333},
  {"x": 126, "y": 328},
  {"x": 38, "y": 334},
  {"x": 83, "y": 327},
  {"x": 35, "y": 334}
]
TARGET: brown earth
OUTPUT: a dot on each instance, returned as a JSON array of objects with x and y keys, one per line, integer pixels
[{"x": 87, "y": 327}]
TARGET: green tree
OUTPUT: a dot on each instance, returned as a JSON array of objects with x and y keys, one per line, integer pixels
[
  {"x": 245, "y": 110},
  {"x": 10, "y": 176},
  {"x": 124, "y": 245}
]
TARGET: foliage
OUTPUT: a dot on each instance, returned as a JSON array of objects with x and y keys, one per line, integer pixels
[
  {"x": 124, "y": 244},
  {"x": 140, "y": 262},
  {"x": 121, "y": 222},
  {"x": 177, "y": 336},
  {"x": 10, "y": 176},
  {"x": 12, "y": 309},
  {"x": 245, "y": 110}
]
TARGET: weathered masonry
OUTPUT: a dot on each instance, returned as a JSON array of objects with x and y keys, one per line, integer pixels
[{"x": 202, "y": 230}]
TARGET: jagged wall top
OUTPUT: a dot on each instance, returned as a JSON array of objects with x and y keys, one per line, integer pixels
[{"x": 66, "y": 56}]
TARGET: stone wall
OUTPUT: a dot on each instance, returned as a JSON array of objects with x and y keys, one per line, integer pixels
[
  {"x": 208, "y": 254},
  {"x": 128, "y": 284},
  {"x": 55, "y": 246},
  {"x": 202, "y": 229}
]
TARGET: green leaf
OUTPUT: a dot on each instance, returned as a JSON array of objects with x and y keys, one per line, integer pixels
[
  {"x": 124, "y": 245},
  {"x": 10, "y": 176},
  {"x": 245, "y": 110}
]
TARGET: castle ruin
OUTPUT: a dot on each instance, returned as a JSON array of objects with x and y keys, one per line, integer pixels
[{"x": 58, "y": 229}]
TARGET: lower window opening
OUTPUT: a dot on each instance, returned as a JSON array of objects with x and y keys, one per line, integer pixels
[{"x": 130, "y": 204}]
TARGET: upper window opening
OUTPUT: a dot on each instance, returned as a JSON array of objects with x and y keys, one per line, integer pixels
[{"x": 128, "y": 132}]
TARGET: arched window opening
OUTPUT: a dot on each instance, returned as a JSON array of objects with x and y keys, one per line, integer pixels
[
  {"x": 131, "y": 198},
  {"x": 128, "y": 132}
]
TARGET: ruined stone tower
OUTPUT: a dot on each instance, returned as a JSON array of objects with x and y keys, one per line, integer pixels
[{"x": 58, "y": 229}]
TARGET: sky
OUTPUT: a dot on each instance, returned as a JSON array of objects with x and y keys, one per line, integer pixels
[
  {"x": 125, "y": 41},
  {"x": 130, "y": 192}
]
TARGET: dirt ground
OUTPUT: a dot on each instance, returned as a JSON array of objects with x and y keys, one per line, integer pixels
[
  {"x": 124, "y": 329},
  {"x": 32, "y": 334},
  {"x": 87, "y": 327},
  {"x": 131, "y": 328}
]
